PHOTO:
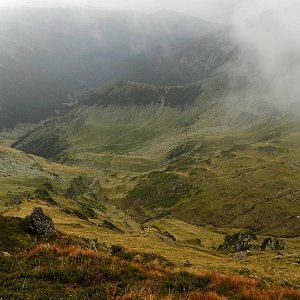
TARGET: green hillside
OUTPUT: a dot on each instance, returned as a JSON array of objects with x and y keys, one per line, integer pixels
[
  {"x": 149, "y": 155},
  {"x": 227, "y": 156},
  {"x": 91, "y": 229},
  {"x": 64, "y": 267}
]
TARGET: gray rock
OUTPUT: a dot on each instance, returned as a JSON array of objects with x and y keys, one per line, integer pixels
[
  {"x": 169, "y": 236},
  {"x": 239, "y": 242},
  {"x": 273, "y": 244},
  {"x": 47, "y": 186},
  {"x": 186, "y": 263},
  {"x": 40, "y": 224}
]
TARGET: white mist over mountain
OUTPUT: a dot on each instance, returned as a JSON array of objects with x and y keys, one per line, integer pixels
[
  {"x": 273, "y": 39},
  {"x": 220, "y": 11},
  {"x": 271, "y": 28}
]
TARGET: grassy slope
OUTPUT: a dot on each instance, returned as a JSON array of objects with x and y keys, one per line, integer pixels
[
  {"x": 22, "y": 173},
  {"x": 256, "y": 184},
  {"x": 82, "y": 215},
  {"x": 59, "y": 271}
]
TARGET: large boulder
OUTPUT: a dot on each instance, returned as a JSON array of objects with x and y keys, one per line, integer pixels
[{"x": 40, "y": 224}]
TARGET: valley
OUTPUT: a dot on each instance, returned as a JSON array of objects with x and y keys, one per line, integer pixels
[
  {"x": 139, "y": 174},
  {"x": 149, "y": 155},
  {"x": 155, "y": 157}
]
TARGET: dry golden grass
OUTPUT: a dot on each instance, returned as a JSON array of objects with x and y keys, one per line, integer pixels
[
  {"x": 233, "y": 286},
  {"x": 268, "y": 265}
]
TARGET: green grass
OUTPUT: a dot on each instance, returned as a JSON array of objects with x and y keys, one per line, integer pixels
[
  {"x": 235, "y": 155},
  {"x": 61, "y": 271},
  {"x": 13, "y": 237},
  {"x": 157, "y": 189}
]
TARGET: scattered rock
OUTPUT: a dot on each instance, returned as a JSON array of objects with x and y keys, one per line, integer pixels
[
  {"x": 227, "y": 154},
  {"x": 169, "y": 236},
  {"x": 197, "y": 241},
  {"x": 273, "y": 244},
  {"x": 156, "y": 232},
  {"x": 92, "y": 245},
  {"x": 15, "y": 199},
  {"x": 14, "y": 166},
  {"x": 269, "y": 150},
  {"x": 109, "y": 225},
  {"x": 186, "y": 264},
  {"x": 70, "y": 193},
  {"x": 43, "y": 194},
  {"x": 47, "y": 186},
  {"x": 239, "y": 242},
  {"x": 40, "y": 224},
  {"x": 180, "y": 151}
]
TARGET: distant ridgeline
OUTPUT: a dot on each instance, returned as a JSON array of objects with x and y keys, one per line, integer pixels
[
  {"x": 41, "y": 65},
  {"x": 123, "y": 93}
]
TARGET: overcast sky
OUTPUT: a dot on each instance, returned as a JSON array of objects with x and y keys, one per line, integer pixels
[{"x": 217, "y": 10}]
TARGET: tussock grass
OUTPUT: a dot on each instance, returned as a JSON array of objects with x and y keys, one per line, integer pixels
[{"x": 71, "y": 272}]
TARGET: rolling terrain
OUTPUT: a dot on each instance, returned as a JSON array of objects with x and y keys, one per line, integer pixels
[
  {"x": 177, "y": 178},
  {"x": 63, "y": 267},
  {"x": 79, "y": 200},
  {"x": 162, "y": 155}
]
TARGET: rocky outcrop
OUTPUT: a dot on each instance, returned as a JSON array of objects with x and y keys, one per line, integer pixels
[
  {"x": 239, "y": 242},
  {"x": 39, "y": 224},
  {"x": 126, "y": 93},
  {"x": 169, "y": 236},
  {"x": 156, "y": 232},
  {"x": 272, "y": 244},
  {"x": 109, "y": 225},
  {"x": 42, "y": 194},
  {"x": 48, "y": 186},
  {"x": 186, "y": 263},
  {"x": 70, "y": 193},
  {"x": 248, "y": 240}
]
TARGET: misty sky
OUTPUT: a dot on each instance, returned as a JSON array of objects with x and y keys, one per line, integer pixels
[{"x": 216, "y": 10}]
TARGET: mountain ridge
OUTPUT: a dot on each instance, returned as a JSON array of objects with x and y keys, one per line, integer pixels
[
  {"x": 123, "y": 93},
  {"x": 105, "y": 43}
]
